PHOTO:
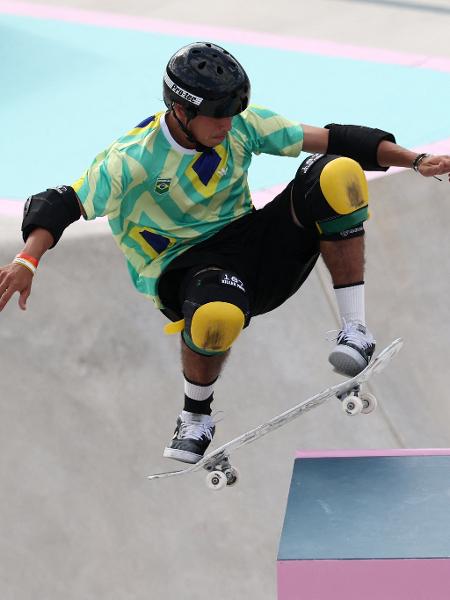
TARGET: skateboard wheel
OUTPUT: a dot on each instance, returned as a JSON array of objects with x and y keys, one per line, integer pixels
[
  {"x": 232, "y": 476},
  {"x": 369, "y": 403},
  {"x": 352, "y": 405},
  {"x": 216, "y": 480}
]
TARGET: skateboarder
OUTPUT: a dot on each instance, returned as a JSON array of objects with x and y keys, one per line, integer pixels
[{"x": 175, "y": 192}]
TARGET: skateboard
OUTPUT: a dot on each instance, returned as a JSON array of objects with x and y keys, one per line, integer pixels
[{"x": 354, "y": 401}]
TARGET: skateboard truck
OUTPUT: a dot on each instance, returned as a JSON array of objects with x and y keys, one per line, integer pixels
[
  {"x": 355, "y": 402},
  {"x": 220, "y": 472}
]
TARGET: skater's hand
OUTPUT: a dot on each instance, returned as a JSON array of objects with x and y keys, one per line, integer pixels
[
  {"x": 15, "y": 278},
  {"x": 432, "y": 165}
]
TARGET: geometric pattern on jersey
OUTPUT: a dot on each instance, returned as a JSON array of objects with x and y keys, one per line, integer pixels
[
  {"x": 161, "y": 199},
  {"x": 145, "y": 122},
  {"x": 157, "y": 242},
  {"x": 205, "y": 166}
]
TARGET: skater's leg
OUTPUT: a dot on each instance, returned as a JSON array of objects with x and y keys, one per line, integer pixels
[
  {"x": 344, "y": 260},
  {"x": 200, "y": 374},
  {"x": 333, "y": 198},
  {"x": 215, "y": 310},
  {"x": 200, "y": 368}
]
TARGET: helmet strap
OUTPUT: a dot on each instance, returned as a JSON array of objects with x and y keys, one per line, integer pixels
[{"x": 199, "y": 147}]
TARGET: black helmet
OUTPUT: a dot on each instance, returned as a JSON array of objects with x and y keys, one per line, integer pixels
[{"x": 206, "y": 80}]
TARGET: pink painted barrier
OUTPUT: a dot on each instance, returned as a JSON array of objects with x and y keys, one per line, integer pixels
[{"x": 253, "y": 38}]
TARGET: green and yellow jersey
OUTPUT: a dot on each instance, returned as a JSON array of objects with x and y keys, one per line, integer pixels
[{"x": 161, "y": 198}]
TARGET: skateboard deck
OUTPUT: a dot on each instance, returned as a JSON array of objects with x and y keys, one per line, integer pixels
[{"x": 216, "y": 462}]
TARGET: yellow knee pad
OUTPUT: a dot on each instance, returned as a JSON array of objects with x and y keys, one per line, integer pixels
[
  {"x": 215, "y": 326},
  {"x": 344, "y": 185}
]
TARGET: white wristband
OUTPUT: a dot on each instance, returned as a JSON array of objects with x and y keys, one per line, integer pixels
[{"x": 25, "y": 263}]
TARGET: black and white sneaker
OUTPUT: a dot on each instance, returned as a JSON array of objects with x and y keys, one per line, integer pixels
[
  {"x": 354, "y": 349},
  {"x": 192, "y": 436}
]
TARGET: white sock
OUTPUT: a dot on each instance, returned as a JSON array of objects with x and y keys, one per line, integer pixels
[
  {"x": 351, "y": 303},
  {"x": 198, "y": 392}
]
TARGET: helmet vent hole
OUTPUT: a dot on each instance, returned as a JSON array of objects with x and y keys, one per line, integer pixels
[
  {"x": 219, "y": 70},
  {"x": 202, "y": 65}
]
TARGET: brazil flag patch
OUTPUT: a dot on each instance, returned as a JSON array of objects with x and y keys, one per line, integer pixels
[{"x": 162, "y": 185}]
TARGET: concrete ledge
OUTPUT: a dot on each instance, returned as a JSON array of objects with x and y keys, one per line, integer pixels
[{"x": 367, "y": 524}]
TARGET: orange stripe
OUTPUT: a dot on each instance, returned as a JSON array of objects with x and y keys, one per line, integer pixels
[{"x": 33, "y": 261}]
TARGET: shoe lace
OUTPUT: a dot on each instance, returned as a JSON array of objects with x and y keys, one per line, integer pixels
[
  {"x": 351, "y": 334},
  {"x": 196, "y": 430}
]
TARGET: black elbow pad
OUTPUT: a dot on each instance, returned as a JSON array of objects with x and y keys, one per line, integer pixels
[
  {"x": 54, "y": 210},
  {"x": 358, "y": 142}
]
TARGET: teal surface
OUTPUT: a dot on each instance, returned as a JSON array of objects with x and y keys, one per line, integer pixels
[
  {"x": 68, "y": 90},
  {"x": 368, "y": 508}
]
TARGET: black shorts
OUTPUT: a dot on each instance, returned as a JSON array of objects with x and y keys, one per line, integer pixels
[{"x": 265, "y": 248}]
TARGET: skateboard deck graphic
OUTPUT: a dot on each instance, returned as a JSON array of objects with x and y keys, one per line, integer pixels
[{"x": 216, "y": 462}]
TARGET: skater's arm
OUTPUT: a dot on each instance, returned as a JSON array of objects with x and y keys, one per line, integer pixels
[
  {"x": 38, "y": 242},
  {"x": 388, "y": 153},
  {"x": 353, "y": 141},
  {"x": 315, "y": 139},
  {"x": 428, "y": 165},
  {"x": 18, "y": 275},
  {"x": 45, "y": 219}
]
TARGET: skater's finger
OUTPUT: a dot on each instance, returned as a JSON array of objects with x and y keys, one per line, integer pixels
[
  {"x": 5, "y": 297},
  {"x": 24, "y": 294}
]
